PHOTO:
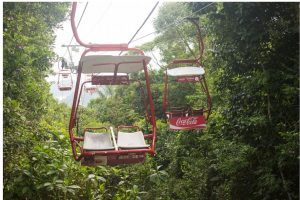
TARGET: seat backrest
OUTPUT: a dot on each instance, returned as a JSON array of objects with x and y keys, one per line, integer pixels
[
  {"x": 97, "y": 141},
  {"x": 131, "y": 140}
]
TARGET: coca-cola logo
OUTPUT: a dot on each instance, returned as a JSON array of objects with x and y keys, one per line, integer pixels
[{"x": 187, "y": 121}]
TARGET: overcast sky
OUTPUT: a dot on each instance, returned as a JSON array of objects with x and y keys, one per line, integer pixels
[{"x": 108, "y": 21}]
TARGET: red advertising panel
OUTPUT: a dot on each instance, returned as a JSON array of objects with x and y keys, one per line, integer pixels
[
  {"x": 186, "y": 79},
  {"x": 185, "y": 123},
  {"x": 110, "y": 80},
  {"x": 113, "y": 160}
]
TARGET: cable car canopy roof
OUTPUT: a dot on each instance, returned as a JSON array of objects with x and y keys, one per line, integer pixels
[
  {"x": 108, "y": 63},
  {"x": 186, "y": 71}
]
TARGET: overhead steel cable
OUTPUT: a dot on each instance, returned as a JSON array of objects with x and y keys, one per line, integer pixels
[
  {"x": 77, "y": 25},
  {"x": 176, "y": 22},
  {"x": 185, "y": 42},
  {"x": 100, "y": 18},
  {"x": 142, "y": 25},
  {"x": 155, "y": 59}
]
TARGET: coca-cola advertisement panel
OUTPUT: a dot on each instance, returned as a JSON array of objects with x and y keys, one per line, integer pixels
[{"x": 190, "y": 122}]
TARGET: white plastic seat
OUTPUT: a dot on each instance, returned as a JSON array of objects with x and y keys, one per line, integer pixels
[
  {"x": 132, "y": 140},
  {"x": 106, "y": 63},
  {"x": 97, "y": 141},
  {"x": 186, "y": 71},
  {"x": 109, "y": 74}
]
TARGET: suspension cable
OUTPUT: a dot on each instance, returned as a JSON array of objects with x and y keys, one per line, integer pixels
[
  {"x": 185, "y": 42},
  {"x": 141, "y": 25},
  {"x": 100, "y": 18},
  {"x": 176, "y": 22}
]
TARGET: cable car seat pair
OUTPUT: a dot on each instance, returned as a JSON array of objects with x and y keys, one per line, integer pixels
[
  {"x": 107, "y": 140},
  {"x": 65, "y": 81}
]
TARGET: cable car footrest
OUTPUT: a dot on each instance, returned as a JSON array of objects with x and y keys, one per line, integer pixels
[{"x": 113, "y": 160}]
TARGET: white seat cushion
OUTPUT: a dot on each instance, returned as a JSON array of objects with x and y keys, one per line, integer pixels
[
  {"x": 97, "y": 141},
  {"x": 106, "y": 63},
  {"x": 186, "y": 71},
  {"x": 131, "y": 140}
]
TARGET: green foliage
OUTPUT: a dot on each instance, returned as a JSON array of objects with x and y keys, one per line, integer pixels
[
  {"x": 172, "y": 42},
  {"x": 28, "y": 37},
  {"x": 115, "y": 110},
  {"x": 254, "y": 86}
]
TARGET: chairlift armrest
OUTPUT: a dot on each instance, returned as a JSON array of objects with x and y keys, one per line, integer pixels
[
  {"x": 78, "y": 139},
  {"x": 80, "y": 147}
]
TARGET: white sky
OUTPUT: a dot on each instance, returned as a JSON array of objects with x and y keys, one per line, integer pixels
[{"x": 108, "y": 21}]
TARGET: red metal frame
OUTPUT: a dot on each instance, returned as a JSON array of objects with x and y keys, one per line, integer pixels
[
  {"x": 188, "y": 119},
  {"x": 114, "y": 156}
]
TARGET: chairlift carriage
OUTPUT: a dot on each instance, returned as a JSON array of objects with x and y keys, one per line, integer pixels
[
  {"x": 184, "y": 71},
  {"x": 64, "y": 80},
  {"x": 100, "y": 145},
  {"x": 89, "y": 87}
]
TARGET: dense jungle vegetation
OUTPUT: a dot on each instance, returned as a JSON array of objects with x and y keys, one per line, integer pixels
[{"x": 248, "y": 151}]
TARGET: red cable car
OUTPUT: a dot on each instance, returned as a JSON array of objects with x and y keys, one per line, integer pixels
[
  {"x": 89, "y": 87},
  {"x": 184, "y": 71},
  {"x": 65, "y": 81},
  {"x": 100, "y": 145}
]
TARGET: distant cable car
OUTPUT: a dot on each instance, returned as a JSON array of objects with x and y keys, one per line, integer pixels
[
  {"x": 65, "y": 81},
  {"x": 100, "y": 145},
  {"x": 184, "y": 71},
  {"x": 89, "y": 87}
]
